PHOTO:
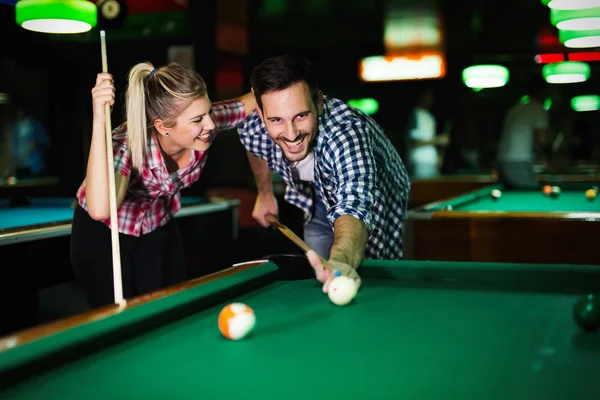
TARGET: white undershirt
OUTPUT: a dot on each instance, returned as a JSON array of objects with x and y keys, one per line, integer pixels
[{"x": 305, "y": 169}]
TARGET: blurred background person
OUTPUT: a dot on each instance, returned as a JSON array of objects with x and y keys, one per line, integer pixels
[
  {"x": 524, "y": 139},
  {"x": 425, "y": 148}
]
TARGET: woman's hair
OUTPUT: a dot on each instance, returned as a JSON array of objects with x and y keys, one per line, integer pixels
[
  {"x": 281, "y": 72},
  {"x": 157, "y": 93}
]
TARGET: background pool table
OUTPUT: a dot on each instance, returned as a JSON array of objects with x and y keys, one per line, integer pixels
[
  {"x": 417, "y": 330},
  {"x": 51, "y": 217},
  {"x": 35, "y": 248},
  {"x": 520, "y": 226}
]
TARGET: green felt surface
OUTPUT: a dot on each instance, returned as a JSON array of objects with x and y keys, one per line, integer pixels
[
  {"x": 402, "y": 338},
  {"x": 570, "y": 199}
]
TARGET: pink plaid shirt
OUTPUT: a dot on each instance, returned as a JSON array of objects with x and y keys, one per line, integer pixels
[{"x": 153, "y": 196}]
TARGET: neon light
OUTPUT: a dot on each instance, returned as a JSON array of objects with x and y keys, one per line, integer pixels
[
  {"x": 585, "y": 56},
  {"x": 402, "y": 67},
  {"x": 549, "y": 58}
]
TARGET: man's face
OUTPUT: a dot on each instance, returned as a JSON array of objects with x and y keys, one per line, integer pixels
[{"x": 292, "y": 119}]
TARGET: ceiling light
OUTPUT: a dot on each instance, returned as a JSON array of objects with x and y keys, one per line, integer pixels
[
  {"x": 585, "y": 103},
  {"x": 580, "y": 20},
  {"x": 580, "y": 39},
  {"x": 56, "y": 16},
  {"x": 571, "y": 4},
  {"x": 485, "y": 76},
  {"x": 566, "y": 72}
]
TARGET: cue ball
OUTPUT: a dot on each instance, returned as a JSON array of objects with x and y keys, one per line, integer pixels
[
  {"x": 342, "y": 290},
  {"x": 496, "y": 194},
  {"x": 586, "y": 313},
  {"x": 236, "y": 321}
]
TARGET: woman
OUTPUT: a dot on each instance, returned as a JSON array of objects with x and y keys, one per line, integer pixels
[{"x": 158, "y": 151}]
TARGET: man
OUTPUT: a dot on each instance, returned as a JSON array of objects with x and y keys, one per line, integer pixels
[
  {"x": 337, "y": 163},
  {"x": 524, "y": 138},
  {"x": 426, "y": 147}
]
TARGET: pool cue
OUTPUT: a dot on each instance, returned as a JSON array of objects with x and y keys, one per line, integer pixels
[
  {"x": 274, "y": 221},
  {"x": 114, "y": 222}
]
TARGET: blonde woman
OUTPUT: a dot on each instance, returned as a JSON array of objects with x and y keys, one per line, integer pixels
[{"x": 159, "y": 150}]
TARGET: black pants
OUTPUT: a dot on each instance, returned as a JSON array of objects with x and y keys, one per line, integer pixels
[{"x": 149, "y": 262}]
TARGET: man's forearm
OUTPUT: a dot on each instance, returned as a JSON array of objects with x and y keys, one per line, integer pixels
[
  {"x": 262, "y": 174},
  {"x": 350, "y": 241}
]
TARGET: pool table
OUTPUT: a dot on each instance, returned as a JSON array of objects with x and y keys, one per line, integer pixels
[
  {"x": 51, "y": 217},
  {"x": 521, "y": 226},
  {"x": 35, "y": 243},
  {"x": 416, "y": 330},
  {"x": 428, "y": 190}
]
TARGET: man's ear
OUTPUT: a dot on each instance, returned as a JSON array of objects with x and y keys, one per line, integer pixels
[
  {"x": 160, "y": 127},
  {"x": 260, "y": 114},
  {"x": 320, "y": 103}
]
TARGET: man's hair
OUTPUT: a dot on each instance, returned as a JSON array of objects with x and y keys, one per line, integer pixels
[{"x": 280, "y": 72}]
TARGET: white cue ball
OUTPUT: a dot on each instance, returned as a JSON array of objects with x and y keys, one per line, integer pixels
[{"x": 342, "y": 290}]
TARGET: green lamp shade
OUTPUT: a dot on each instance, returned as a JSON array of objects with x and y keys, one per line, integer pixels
[
  {"x": 580, "y": 39},
  {"x": 367, "y": 105},
  {"x": 566, "y": 72},
  {"x": 485, "y": 76},
  {"x": 570, "y": 4},
  {"x": 585, "y": 103},
  {"x": 576, "y": 20},
  {"x": 56, "y": 16}
]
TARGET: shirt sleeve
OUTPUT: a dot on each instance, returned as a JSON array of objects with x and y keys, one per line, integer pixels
[
  {"x": 254, "y": 136},
  {"x": 121, "y": 157},
  {"x": 228, "y": 114},
  {"x": 351, "y": 163}
]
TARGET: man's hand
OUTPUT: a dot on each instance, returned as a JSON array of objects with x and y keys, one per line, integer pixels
[
  {"x": 265, "y": 204},
  {"x": 325, "y": 273}
]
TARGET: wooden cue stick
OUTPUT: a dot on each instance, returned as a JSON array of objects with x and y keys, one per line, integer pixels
[
  {"x": 274, "y": 221},
  {"x": 114, "y": 222}
]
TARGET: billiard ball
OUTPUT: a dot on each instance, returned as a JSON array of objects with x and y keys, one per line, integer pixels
[
  {"x": 236, "y": 321},
  {"x": 586, "y": 312},
  {"x": 342, "y": 290},
  {"x": 555, "y": 191},
  {"x": 547, "y": 189},
  {"x": 590, "y": 194},
  {"x": 496, "y": 194},
  {"x": 448, "y": 207}
]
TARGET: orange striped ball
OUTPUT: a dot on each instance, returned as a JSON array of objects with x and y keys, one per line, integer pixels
[{"x": 236, "y": 321}]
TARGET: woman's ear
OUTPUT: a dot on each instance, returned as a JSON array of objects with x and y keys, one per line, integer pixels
[{"x": 160, "y": 127}]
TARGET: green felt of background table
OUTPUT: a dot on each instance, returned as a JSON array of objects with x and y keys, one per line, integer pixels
[
  {"x": 571, "y": 199},
  {"x": 42, "y": 211}
]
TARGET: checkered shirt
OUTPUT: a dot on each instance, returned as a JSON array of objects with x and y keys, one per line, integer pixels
[
  {"x": 357, "y": 172},
  {"x": 153, "y": 196}
]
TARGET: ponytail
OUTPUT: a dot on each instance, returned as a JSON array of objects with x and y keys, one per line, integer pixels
[{"x": 137, "y": 123}]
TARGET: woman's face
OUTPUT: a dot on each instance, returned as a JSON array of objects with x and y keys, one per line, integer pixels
[{"x": 194, "y": 127}]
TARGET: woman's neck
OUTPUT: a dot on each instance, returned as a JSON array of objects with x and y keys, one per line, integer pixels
[{"x": 175, "y": 158}]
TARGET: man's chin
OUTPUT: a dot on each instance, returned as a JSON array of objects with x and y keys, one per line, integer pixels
[{"x": 294, "y": 157}]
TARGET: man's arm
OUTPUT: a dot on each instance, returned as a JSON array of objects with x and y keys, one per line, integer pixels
[
  {"x": 349, "y": 241},
  {"x": 262, "y": 174},
  {"x": 266, "y": 203}
]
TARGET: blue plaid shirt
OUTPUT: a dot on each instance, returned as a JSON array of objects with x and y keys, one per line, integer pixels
[{"x": 357, "y": 172}]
